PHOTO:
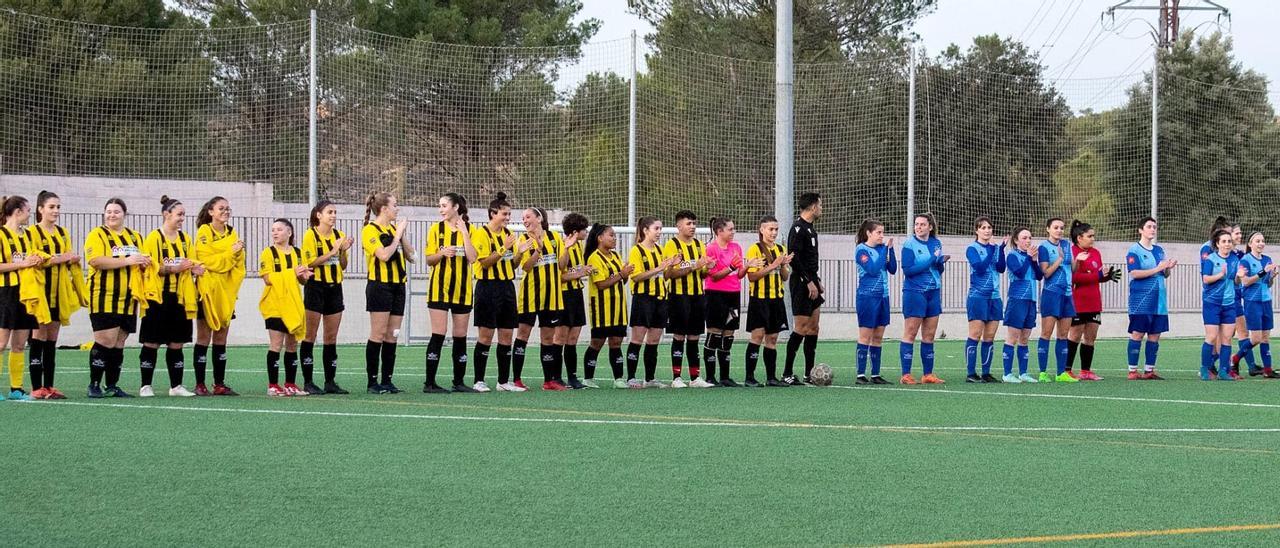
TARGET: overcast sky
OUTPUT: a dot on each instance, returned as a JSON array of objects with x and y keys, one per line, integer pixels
[{"x": 1083, "y": 58}]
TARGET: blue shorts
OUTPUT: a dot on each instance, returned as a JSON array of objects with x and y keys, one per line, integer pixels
[
  {"x": 1020, "y": 314},
  {"x": 1258, "y": 316},
  {"x": 922, "y": 304},
  {"x": 1151, "y": 324},
  {"x": 984, "y": 309},
  {"x": 872, "y": 312},
  {"x": 1056, "y": 305},
  {"x": 1218, "y": 314}
]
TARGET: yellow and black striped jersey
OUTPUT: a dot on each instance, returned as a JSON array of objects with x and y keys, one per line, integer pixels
[
  {"x": 273, "y": 260},
  {"x": 167, "y": 252},
  {"x": 646, "y": 259},
  {"x": 109, "y": 289},
  {"x": 576, "y": 262},
  {"x": 14, "y": 246},
  {"x": 540, "y": 287},
  {"x": 487, "y": 242},
  {"x": 451, "y": 277},
  {"x": 374, "y": 237},
  {"x": 609, "y": 305},
  {"x": 316, "y": 245},
  {"x": 769, "y": 286},
  {"x": 689, "y": 253},
  {"x": 50, "y": 242}
]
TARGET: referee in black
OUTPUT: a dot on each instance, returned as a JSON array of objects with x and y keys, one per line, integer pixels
[{"x": 805, "y": 287}]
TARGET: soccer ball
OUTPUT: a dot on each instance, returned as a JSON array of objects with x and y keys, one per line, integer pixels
[{"x": 821, "y": 375}]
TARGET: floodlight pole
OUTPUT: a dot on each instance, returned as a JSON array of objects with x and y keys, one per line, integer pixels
[
  {"x": 784, "y": 123},
  {"x": 312, "y": 152}
]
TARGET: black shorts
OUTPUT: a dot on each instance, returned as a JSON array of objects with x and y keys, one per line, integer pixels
[
  {"x": 102, "y": 321},
  {"x": 276, "y": 324},
  {"x": 452, "y": 308},
  {"x": 495, "y": 306},
  {"x": 384, "y": 297},
  {"x": 801, "y": 304},
  {"x": 165, "y": 322},
  {"x": 648, "y": 311},
  {"x": 324, "y": 298},
  {"x": 606, "y": 332},
  {"x": 1087, "y": 317},
  {"x": 723, "y": 310},
  {"x": 686, "y": 314},
  {"x": 770, "y": 314},
  {"x": 575, "y": 309},
  {"x": 541, "y": 318},
  {"x": 13, "y": 315}
]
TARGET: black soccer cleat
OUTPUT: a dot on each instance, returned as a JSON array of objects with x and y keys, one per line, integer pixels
[
  {"x": 877, "y": 379},
  {"x": 333, "y": 388},
  {"x": 115, "y": 392},
  {"x": 432, "y": 388},
  {"x": 312, "y": 390},
  {"x": 728, "y": 383},
  {"x": 752, "y": 383},
  {"x": 389, "y": 388},
  {"x": 464, "y": 389},
  {"x": 862, "y": 379},
  {"x": 989, "y": 378},
  {"x": 776, "y": 383},
  {"x": 375, "y": 389},
  {"x": 974, "y": 379}
]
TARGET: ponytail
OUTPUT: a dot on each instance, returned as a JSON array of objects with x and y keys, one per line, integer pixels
[
  {"x": 593, "y": 239},
  {"x": 10, "y": 205},
  {"x": 867, "y": 226},
  {"x": 374, "y": 203},
  {"x": 206, "y": 211},
  {"x": 317, "y": 210},
  {"x": 1078, "y": 228}
]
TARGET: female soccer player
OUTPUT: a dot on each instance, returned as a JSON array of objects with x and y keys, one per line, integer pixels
[
  {"x": 1086, "y": 298},
  {"x": 1056, "y": 307},
  {"x": 1148, "y": 299},
  {"x": 167, "y": 321},
  {"x": 449, "y": 254},
  {"x": 1259, "y": 276},
  {"x": 325, "y": 250},
  {"x": 1241, "y": 332},
  {"x": 574, "y": 314},
  {"x": 876, "y": 262},
  {"x": 495, "y": 293},
  {"x": 221, "y": 251},
  {"x": 541, "y": 258},
  {"x": 282, "y": 271},
  {"x": 986, "y": 264},
  {"x": 608, "y": 302},
  {"x": 1023, "y": 266},
  {"x": 723, "y": 285},
  {"x": 1209, "y": 248},
  {"x": 387, "y": 254},
  {"x": 16, "y": 256},
  {"x": 115, "y": 257},
  {"x": 922, "y": 263},
  {"x": 687, "y": 303},
  {"x": 65, "y": 292},
  {"x": 766, "y": 312},
  {"x": 1218, "y": 272},
  {"x": 648, "y": 302}
]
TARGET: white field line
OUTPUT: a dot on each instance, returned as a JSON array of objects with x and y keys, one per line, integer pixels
[{"x": 1062, "y": 396}]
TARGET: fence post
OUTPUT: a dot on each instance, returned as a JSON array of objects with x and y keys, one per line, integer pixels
[
  {"x": 631, "y": 140},
  {"x": 911, "y": 139},
  {"x": 312, "y": 152}
]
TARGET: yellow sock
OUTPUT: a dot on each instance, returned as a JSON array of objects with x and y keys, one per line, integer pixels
[{"x": 17, "y": 366}]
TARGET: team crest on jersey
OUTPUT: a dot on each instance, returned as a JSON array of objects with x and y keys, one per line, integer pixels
[
  {"x": 865, "y": 258},
  {"x": 1132, "y": 260},
  {"x": 1204, "y": 256}
]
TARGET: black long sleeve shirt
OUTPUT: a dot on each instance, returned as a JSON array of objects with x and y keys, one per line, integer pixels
[{"x": 803, "y": 242}]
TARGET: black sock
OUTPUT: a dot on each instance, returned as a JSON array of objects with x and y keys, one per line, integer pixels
[
  {"x": 330, "y": 357},
  {"x": 504, "y": 363},
  {"x": 753, "y": 354},
  {"x": 546, "y": 355},
  {"x": 588, "y": 362},
  {"x": 114, "y": 365},
  {"x": 633, "y": 360},
  {"x": 771, "y": 363},
  {"x": 722, "y": 356},
  {"x": 273, "y": 367},
  {"x": 517, "y": 358},
  {"x": 616, "y": 361},
  {"x": 459, "y": 360},
  {"x": 372, "y": 352},
  {"x": 1072, "y": 349},
  {"x": 793, "y": 347},
  {"x": 35, "y": 363},
  {"x": 173, "y": 361},
  {"x": 50, "y": 362},
  {"x": 709, "y": 349},
  {"x": 388, "y": 361},
  {"x": 677, "y": 358},
  {"x": 481, "y": 360},
  {"x": 1086, "y": 357},
  {"x": 200, "y": 357},
  {"x": 147, "y": 364},
  {"x": 434, "y": 347},
  {"x": 810, "y": 353},
  {"x": 650, "y": 362},
  {"x": 570, "y": 356},
  {"x": 306, "y": 357},
  {"x": 691, "y": 354},
  {"x": 97, "y": 363},
  {"x": 291, "y": 367},
  {"x": 219, "y": 364}
]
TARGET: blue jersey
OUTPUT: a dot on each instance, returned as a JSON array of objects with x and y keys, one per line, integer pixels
[
  {"x": 1206, "y": 249},
  {"x": 986, "y": 264},
  {"x": 1259, "y": 291},
  {"x": 1149, "y": 295},
  {"x": 1023, "y": 273},
  {"x": 922, "y": 264},
  {"x": 875, "y": 264},
  {"x": 1060, "y": 281},
  {"x": 1223, "y": 291}
]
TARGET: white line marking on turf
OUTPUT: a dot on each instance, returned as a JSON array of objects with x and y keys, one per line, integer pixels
[
  {"x": 1063, "y": 396},
  {"x": 786, "y": 425}
]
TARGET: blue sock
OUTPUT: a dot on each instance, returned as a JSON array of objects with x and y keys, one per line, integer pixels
[
  {"x": 905, "y": 349},
  {"x": 1206, "y": 359},
  {"x": 1246, "y": 349},
  {"x": 1024, "y": 358},
  {"x": 1060, "y": 350},
  {"x": 1153, "y": 348},
  {"x": 1007, "y": 355},
  {"x": 1042, "y": 354},
  {"x": 875, "y": 361},
  {"x": 988, "y": 348},
  {"x": 862, "y": 359},
  {"x": 926, "y": 357},
  {"x": 970, "y": 355},
  {"x": 1224, "y": 361},
  {"x": 1264, "y": 349},
  {"x": 1135, "y": 347}
]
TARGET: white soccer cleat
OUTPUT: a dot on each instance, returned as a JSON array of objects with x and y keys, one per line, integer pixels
[
  {"x": 655, "y": 383},
  {"x": 1026, "y": 377},
  {"x": 146, "y": 392},
  {"x": 589, "y": 383},
  {"x": 510, "y": 387},
  {"x": 181, "y": 391},
  {"x": 678, "y": 383},
  {"x": 1011, "y": 379},
  {"x": 699, "y": 383},
  {"x": 635, "y": 383},
  {"x": 480, "y": 387},
  {"x": 274, "y": 390},
  {"x": 620, "y": 383}
]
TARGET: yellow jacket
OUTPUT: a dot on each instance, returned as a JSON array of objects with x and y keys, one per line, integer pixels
[
  {"x": 219, "y": 287},
  {"x": 283, "y": 299},
  {"x": 31, "y": 291},
  {"x": 154, "y": 292},
  {"x": 145, "y": 286},
  {"x": 73, "y": 293}
]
